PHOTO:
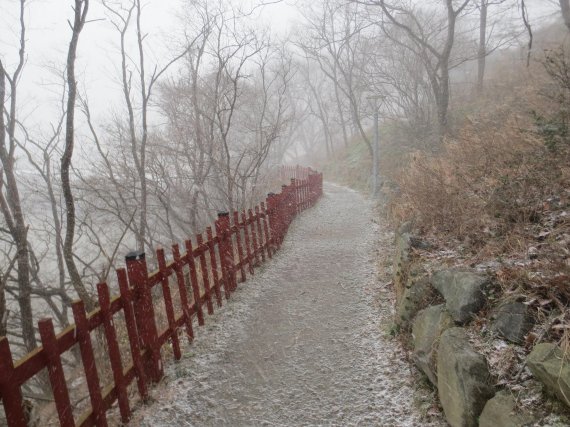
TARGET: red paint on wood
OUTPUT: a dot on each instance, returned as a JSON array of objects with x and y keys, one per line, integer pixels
[
  {"x": 172, "y": 329},
  {"x": 132, "y": 332},
  {"x": 182, "y": 291},
  {"x": 224, "y": 246},
  {"x": 238, "y": 233},
  {"x": 144, "y": 311},
  {"x": 89, "y": 366},
  {"x": 194, "y": 282},
  {"x": 247, "y": 242},
  {"x": 259, "y": 233},
  {"x": 205, "y": 274},
  {"x": 214, "y": 265},
  {"x": 10, "y": 388},
  {"x": 253, "y": 237},
  {"x": 55, "y": 373},
  {"x": 114, "y": 352},
  {"x": 267, "y": 244}
]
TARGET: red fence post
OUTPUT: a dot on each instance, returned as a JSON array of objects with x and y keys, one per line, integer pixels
[
  {"x": 226, "y": 251},
  {"x": 204, "y": 271},
  {"x": 237, "y": 227},
  {"x": 131, "y": 323},
  {"x": 144, "y": 311},
  {"x": 307, "y": 193},
  {"x": 55, "y": 372},
  {"x": 251, "y": 222},
  {"x": 259, "y": 233},
  {"x": 182, "y": 291},
  {"x": 114, "y": 351},
  {"x": 303, "y": 191},
  {"x": 10, "y": 389},
  {"x": 169, "y": 307},
  {"x": 312, "y": 189},
  {"x": 294, "y": 197},
  {"x": 291, "y": 205},
  {"x": 89, "y": 366},
  {"x": 283, "y": 212},
  {"x": 248, "y": 252},
  {"x": 278, "y": 217},
  {"x": 265, "y": 221},
  {"x": 194, "y": 283},
  {"x": 214, "y": 264},
  {"x": 271, "y": 219}
]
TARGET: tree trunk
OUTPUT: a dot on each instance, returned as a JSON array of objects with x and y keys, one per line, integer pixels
[
  {"x": 58, "y": 231},
  {"x": 143, "y": 225},
  {"x": 81, "y": 7},
  {"x": 443, "y": 102},
  {"x": 565, "y": 9},
  {"x": 12, "y": 207},
  {"x": 482, "y": 52},
  {"x": 340, "y": 112}
]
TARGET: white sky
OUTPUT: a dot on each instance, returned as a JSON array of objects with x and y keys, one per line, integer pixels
[{"x": 48, "y": 37}]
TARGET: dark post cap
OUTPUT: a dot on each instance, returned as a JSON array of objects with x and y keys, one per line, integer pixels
[
  {"x": 134, "y": 256},
  {"x": 222, "y": 214}
]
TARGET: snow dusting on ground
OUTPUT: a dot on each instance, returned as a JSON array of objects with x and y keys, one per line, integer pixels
[{"x": 303, "y": 342}]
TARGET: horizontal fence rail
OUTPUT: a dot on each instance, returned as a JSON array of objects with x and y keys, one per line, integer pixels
[{"x": 201, "y": 275}]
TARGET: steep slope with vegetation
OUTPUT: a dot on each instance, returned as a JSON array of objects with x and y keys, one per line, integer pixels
[{"x": 494, "y": 199}]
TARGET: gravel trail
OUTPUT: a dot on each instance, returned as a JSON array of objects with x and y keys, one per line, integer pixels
[{"x": 303, "y": 342}]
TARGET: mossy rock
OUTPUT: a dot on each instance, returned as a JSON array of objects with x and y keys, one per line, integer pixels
[
  {"x": 428, "y": 326},
  {"x": 550, "y": 366},
  {"x": 463, "y": 379}
]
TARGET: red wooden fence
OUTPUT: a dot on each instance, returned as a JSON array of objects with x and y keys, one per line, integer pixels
[
  {"x": 241, "y": 242},
  {"x": 297, "y": 172}
]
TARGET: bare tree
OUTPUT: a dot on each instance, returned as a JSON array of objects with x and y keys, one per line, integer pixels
[
  {"x": 228, "y": 109},
  {"x": 43, "y": 166},
  {"x": 10, "y": 201},
  {"x": 138, "y": 138},
  {"x": 80, "y": 15},
  {"x": 335, "y": 41},
  {"x": 432, "y": 44},
  {"x": 319, "y": 104}
]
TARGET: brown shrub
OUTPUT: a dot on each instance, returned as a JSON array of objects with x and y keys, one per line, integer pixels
[{"x": 493, "y": 177}]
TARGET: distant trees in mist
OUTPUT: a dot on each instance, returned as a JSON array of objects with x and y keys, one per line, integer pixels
[{"x": 74, "y": 199}]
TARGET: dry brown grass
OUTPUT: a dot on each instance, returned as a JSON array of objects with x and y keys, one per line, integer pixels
[{"x": 494, "y": 177}]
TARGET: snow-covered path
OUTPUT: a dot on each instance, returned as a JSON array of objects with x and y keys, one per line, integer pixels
[{"x": 303, "y": 342}]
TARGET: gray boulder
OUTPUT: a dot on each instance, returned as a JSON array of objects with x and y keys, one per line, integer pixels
[
  {"x": 549, "y": 365},
  {"x": 501, "y": 411},
  {"x": 416, "y": 295},
  {"x": 463, "y": 379},
  {"x": 462, "y": 290},
  {"x": 428, "y": 326},
  {"x": 513, "y": 321}
]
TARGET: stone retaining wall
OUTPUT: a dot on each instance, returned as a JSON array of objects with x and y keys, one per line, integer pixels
[{"x": 436, "y": 309}]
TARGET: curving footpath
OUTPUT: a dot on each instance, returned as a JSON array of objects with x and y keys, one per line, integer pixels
[{"x": 304, "y": 342}]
